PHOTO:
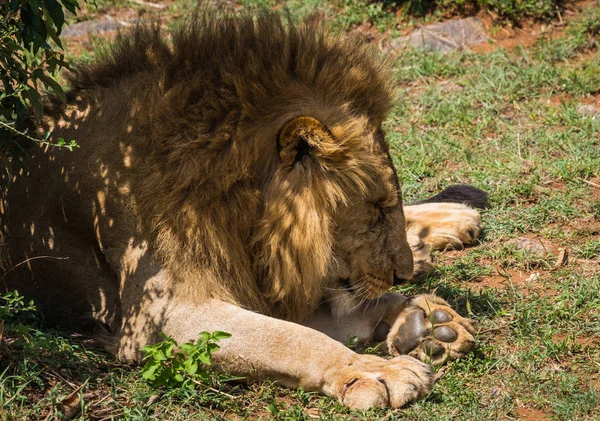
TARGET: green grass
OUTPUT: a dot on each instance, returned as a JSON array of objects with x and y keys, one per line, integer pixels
[{"x": 507, "y": 122}]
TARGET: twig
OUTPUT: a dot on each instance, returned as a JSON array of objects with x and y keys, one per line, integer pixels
[
  {"x": 33, "y": 258},
  {"x": 591, "y": 183},
  {"x": 58, "y": 376},
  {"x": 101, "y": 400},
  {"x": 113, "y": 415},
  {"x": 495, "y": 329},
  {"x": 145, "y": 3},
  {"x": 213, "y": 389},
  {"x": 439, "y": 375},
  {"x": 25, "y": 135}
]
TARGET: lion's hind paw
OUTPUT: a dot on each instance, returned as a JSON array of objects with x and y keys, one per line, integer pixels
[
  {"x": 443, "y": 226},
  {"x": 428, "y": 329}
]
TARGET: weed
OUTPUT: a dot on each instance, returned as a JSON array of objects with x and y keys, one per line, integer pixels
[{"x": 171, "y": 365}]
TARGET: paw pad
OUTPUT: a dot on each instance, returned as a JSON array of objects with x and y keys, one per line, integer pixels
[
  {"x": 445, "y": 334},
  {"x": 441, "y": 316},
  {"x": 431, "y": 331},
  {"x": 381, "y": 332},
  {"x": 432, "y": 349}
]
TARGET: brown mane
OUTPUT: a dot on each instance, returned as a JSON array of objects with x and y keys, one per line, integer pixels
[
  {"x": 204, "y": 113},
  {"x": 252, "y": 57}
]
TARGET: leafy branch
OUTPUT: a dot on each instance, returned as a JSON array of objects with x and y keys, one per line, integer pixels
[{"x": 31, "y": 53}]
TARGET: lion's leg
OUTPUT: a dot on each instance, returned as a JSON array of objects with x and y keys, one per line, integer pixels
[
  {"x": 261, "y": 347},
  {"x": 423, "y": 326}
]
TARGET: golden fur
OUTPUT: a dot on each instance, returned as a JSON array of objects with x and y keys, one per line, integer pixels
[
  {"x": 205, "y": 124},
  {"x": 239, "y": 167}
]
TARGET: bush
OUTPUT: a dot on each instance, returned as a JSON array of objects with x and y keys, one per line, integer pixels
[{"x": 30, "y": 54}]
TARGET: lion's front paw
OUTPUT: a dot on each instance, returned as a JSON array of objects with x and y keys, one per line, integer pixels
[
  {"x": 428, "y": 329},
  {"x": 376, "y": 382}
]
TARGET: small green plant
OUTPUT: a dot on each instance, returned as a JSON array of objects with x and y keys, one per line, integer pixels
[
  {"x": 171, "y": 365},
  {"x": 12, "y": 303}
]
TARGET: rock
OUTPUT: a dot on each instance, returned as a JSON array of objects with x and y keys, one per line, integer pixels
[
  {"x": 528, "y": 245},
  {"x": 93, "y": 27},
  {"x": 452, "y": 35},
  {"x": 590, "y": 110}
]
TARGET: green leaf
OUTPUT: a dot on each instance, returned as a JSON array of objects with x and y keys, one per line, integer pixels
[
  {"x": 191, "y": 367},
  {"x": 169, "y": 350},
  {"x": 164, "y": 337},
  {"x": 188, "y": 347},
  {"x": 204, "y": 336},
  {"x": 56, "y": 13},
  {"x": 272, "y": 409},
  {"x": 160, "y": 355},
  {"x": 212, "y": 347},
  {"x": 218, "y": 335},
  {"x": 149, "y": 370},
  {"x": 35, "y": 101},
  {"x": 50, "y": 82},
  {"x": 204, "y": 358},
  {"x": 52, "y": 32},
  {"x": 71, "y": 5}
]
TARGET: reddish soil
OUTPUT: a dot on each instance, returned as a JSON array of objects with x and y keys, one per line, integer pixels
[
  {"x": 501, "y": 281},
  {"x": 581, "y": 341},
  {"x": 532, "y": 414},
  {"x": 509, "y": 37}
]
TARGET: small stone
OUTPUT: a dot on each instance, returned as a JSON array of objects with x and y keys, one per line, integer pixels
[
  {"x": 93, "y": 27},
  {"x": 531, "y": 246},
  {"x": 590, "y": 110}
]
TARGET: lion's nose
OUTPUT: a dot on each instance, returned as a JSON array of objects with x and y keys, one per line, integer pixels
[{"x": 398, "y": 280}]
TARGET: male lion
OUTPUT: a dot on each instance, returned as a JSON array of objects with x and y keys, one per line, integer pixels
[{"x": 237, "y": 179}]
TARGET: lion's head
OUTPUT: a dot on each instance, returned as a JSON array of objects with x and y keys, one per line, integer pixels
[
  {"x": 333, "y": 217},
  {"x": 259, "y": 167}
]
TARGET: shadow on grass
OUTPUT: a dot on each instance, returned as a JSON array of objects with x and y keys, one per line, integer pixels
[{"x": 479, "y": 304}]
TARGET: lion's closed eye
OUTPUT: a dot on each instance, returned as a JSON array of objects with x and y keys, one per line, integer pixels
[{"x": 380, "y": 211}]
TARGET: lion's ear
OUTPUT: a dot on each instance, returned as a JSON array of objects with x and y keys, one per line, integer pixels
[{"x": 300, "y": 138}]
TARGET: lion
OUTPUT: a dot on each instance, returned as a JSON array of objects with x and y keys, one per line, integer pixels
[{"x": 235, "y": 177}]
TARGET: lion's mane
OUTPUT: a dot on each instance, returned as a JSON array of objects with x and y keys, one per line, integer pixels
[{"x": 205, "y": 106}]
